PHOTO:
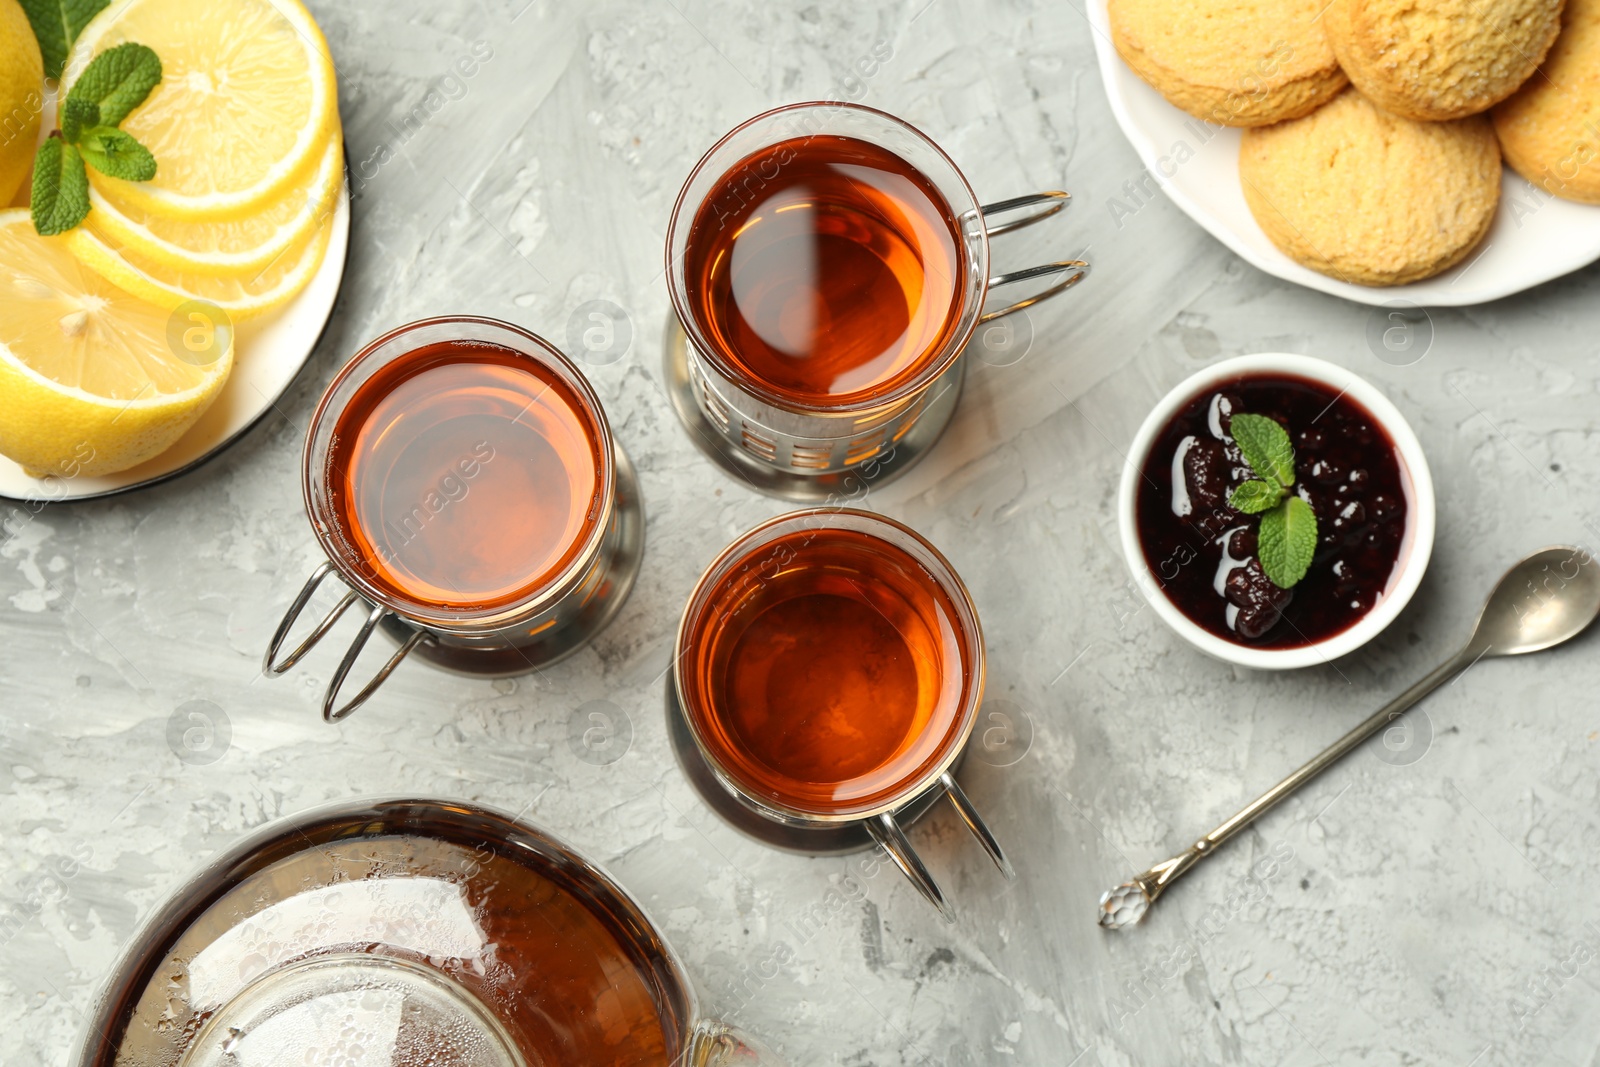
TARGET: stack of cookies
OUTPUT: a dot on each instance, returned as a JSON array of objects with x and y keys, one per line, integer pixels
[{"x": 1375, "y": 129}]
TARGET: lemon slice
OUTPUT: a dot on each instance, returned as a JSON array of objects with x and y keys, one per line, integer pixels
[
  {"x": 92, "y": 379},
  {"x": 245, "y": 108},
  {"x": 240, "y": 297},
  {"x": 230, "y": 249}
]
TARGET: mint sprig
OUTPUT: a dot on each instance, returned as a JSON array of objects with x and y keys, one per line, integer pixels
[
  {"x": 1287, "y": 539},
  {"x": 56, "y": 24},
  {"x": 115, "y": 82},
  {"x": 60, "y": 187},
  {"x": 1265, "y": 446},
  {"x": 116, "y": 154},
  {"x": 1254, "y": 497},
  {"x": 76, "y": 116}
]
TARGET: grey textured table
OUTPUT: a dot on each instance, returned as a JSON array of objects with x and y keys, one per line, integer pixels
[{"x": 1430, "y": 905}]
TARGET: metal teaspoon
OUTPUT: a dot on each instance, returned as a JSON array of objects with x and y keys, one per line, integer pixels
[{"x": 1546, "y": 599}]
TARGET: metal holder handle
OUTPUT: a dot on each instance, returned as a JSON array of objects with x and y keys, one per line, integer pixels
[
  {"x": 274, "y": 670},
  {"x": 273, "y": 667},
  {"x": 893, "y": 840},
  {"x": 1055, "y": 200},
  {"x": 975, "y": 823}
]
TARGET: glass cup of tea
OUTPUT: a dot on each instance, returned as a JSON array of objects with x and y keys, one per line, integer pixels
[
  {"x": 462, "y": 479},
  {"x": 828, "y": 264},
  {"x": 829, "y": 669},
  {"x": 404, "y": 933}
]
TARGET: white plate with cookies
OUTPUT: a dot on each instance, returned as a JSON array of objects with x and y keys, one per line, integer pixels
[{"x": 1501, "y": 246}]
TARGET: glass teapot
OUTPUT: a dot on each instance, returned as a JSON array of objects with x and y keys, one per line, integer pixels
[{"x": 403, "y": 932}]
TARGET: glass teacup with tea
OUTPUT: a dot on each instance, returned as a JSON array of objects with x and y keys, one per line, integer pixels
[
  {"x": 828, "y": 264},
  {"x": 463, "y": 481},
  {"x": 829, "y": 670}
]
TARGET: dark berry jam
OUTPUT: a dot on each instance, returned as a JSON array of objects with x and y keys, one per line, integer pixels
[{"x": 1203, "y": 552}]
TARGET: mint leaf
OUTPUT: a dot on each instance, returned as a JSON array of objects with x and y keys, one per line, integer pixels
[
  {"x": 117, "y": 154},
  {"x": 1265, "y": 446},
  {"x": 1287, "y": 541},
  {"x": 77, "y": 116},
  {"x": 56, "y": 24},
  {"x": 118, "y": 80},
  {"x": 1254, "y": 497},
  {"x": 60, "y": 188}
]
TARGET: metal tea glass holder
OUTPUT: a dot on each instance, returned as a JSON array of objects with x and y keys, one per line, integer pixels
[
  {"x": 829, "y": 453},
  {"x": 781, "y": 825},
  {"x": 547, "y": 625}
]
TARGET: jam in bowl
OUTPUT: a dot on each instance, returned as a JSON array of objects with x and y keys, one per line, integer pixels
[{"x": 1277, "y": 510}]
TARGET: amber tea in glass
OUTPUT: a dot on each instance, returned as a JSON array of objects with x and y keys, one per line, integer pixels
[
  {"x": 464, "y": 475},
  {"x": 827, "y": 670},
  {"x": 827, "y": 268},
  {"x": 460, "y": 474},
  {"x": 828, "y": 264}
]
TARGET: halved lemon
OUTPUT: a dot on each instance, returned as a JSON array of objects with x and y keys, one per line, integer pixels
[
  {"x": 21, "y": 98},
  {"x": 246, "y": 246},
  {"x": 92, "y": 379},
  {"x": 245, "y": 109},
  {"x": 240, "y": 297}
]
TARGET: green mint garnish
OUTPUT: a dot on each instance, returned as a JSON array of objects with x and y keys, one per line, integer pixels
[
  {"x": 60, "y": 188},
  {"x": 76, "y": 116},
  {"x": 1254, "y": 497},
  {"x": 1287, "y": 538},
  {"x": 1287, "y": 541},
  {"x": 115, "y": 82},
  {"x": 1266, "y": 448},
  {"x": 118, "y": 80},
  {"x": 56, "y": 24},
  {"x": 117, "y": 155}
]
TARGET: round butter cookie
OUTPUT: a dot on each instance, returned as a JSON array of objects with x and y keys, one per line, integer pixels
[
  {"x": 1372, "y": 198},
  {"x": 1440, "y": 59},
  {"x": 1550, "y": 128},
  {"x": 1233, "y": 62}
]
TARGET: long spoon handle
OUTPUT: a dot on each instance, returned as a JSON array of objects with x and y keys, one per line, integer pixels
[{"x": 1163, "y": 874}]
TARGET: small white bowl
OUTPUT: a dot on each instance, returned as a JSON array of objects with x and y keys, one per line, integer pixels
[{"x": 1416, "y": 546}]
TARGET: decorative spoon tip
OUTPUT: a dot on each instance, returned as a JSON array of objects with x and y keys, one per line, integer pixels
[{"x": 1123, "y": 906}]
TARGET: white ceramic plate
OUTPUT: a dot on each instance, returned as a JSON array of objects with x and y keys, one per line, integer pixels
[
  {"x": 269, "y": 353},
  {"x": 1534, "y": 238}
]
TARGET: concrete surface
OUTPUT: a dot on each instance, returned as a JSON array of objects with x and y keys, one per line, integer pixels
[{"x": 1425, "y": 904}]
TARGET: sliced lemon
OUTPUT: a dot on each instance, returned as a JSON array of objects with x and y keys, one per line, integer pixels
[
  {"x": 92, "y": 379},
  {"x": 245, "y": 108},
  {"x": 227, "y": 249},
  {"x": 241, "y": 297}
]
